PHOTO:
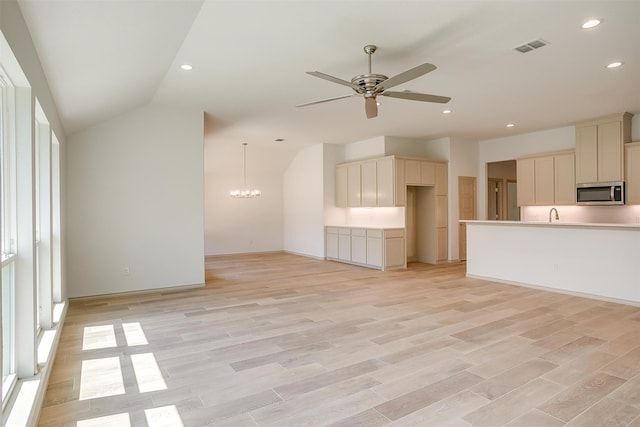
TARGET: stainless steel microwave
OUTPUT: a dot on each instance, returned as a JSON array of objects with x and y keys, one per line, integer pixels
[{"x": 600, "y": 193}]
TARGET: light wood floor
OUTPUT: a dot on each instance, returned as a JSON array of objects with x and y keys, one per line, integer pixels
[{"x": 283, "y": 340}]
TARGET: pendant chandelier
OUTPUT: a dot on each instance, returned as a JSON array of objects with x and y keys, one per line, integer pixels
[{"x": 245, "y": 193}]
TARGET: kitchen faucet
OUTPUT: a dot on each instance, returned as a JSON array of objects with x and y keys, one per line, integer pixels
[{"x": 557, "y": 216}]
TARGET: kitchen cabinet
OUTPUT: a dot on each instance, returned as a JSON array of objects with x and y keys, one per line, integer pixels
[
  {"x": 354, "y": 189},
  {"x": 632, "y": 172},
  {"x": 341, "y": 186},
  {"x": 344, "y": 244},
  {"x": 368, "y": 183},
  {"x": 331, "y": 243},
  {"x": 379, "y": 248},
  {"x": 525, "y": 176},
  {"x": 400, "y": 183},
  {"x": 600, "y": 148},
  {"x": 546, "y": 179},
  {"x": 543, "y": 180},
  {"x": 385, "y": 182},
  {"x": 564, "y": 179},
  {"x": 442, "y": 179},
  {"x": 382, "y": 182},
  {"x": 359, "y": 245},
  {"x": 375, "y": 248}
]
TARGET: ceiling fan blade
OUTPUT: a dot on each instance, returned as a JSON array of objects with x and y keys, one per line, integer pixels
[
  {"x": 414, "y": 96},
  {"x": 325, "y": 100},
  {"x": 371, "y": 107},
  {"x": 333, "y": 79},
  {"x": 411, "y": 74}
]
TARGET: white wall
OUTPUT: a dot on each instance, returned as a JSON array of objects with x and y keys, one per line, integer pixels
[
  {"x": 304, "y": 202},
  {"x": 243, "y": 225},
  {"x": 463, "y": 162},
  {"x": 135, "y": 186}
]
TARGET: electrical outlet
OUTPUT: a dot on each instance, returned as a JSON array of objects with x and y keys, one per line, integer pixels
[
  {"x": 126, "y": 271},
  {"x": 555, "y": 268}
]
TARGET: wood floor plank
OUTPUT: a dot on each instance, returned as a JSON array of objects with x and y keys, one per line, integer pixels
[{"x": 278, "y": 339}]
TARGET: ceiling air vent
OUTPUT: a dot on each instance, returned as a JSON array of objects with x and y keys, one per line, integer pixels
[{"x": 528, "y": 47}]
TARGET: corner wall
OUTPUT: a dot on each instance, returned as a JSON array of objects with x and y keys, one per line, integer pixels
[{"x": 135, "y": 201}]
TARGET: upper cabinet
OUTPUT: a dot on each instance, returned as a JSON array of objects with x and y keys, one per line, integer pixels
[
  {"x": 632, "y": 171},
  {"x": 382, "y": 181},
  {"x": 546, "y": 179},
  {"x": 600, "y": 148}
]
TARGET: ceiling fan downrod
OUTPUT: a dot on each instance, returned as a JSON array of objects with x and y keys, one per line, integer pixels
[{"x": 369, "y": 50}]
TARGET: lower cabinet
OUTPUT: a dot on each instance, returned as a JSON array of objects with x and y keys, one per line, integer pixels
[{"x": 369, "y": 247}]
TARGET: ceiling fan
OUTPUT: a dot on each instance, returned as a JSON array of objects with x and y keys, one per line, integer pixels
[{"x": 371, "y": 85}]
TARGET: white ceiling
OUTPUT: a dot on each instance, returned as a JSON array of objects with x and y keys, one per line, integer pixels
[{"x": 103, "y": 58}]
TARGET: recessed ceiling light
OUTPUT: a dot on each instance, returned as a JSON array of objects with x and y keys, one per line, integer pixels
[
  {"x": 186, "y": 67},
  {"x": 446, "y": 111},
  {"x": 615, "y": 64},
  {"x": 510, "y": 125},
  {"x": 592, "y": 23}
]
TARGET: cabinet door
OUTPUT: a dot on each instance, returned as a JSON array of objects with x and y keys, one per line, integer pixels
[
  {"x": 441, "y": 211},
  {"x": 344, "y": 244},
  {"x": 401, "y": 185},
  {"x": 359, "y": 245},
  {"x": 374, "y": 248},
  {"x": 586, "y": 154},
  {"x": 633, "y": 173},
  {"x": 368, "y": 183},
  {"x": 441, "y": 179},
  {"x": 412, "y": 172},
  {"x": 341, "y": 186},
  {"x": 394, "y": 252},
  {"x": 385, "y": 182},
  {"x": 442, "y": 250},
  {"x": 610, "y": 151},
  {"x": 544, "y": 176},
  {"x": 332, "y": 244},
  {"x": 354, "y": 198},
  {"x": 427, "y": 173},
  {"x": 564, "y": 179},
  {"x": 525, "y": 173}
]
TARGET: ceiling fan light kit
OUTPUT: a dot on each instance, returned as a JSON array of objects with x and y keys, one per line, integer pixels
[{"x": 371, "y": 85}]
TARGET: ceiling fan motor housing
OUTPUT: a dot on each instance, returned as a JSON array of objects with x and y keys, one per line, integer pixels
[{"x": 367, "y": 82}]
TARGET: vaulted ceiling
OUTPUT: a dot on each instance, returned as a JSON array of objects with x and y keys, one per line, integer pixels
[{"x": 250, "y": 58}]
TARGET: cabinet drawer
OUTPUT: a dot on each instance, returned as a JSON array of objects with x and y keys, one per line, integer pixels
[
  {"x": 358, "y": 232},
  {"x": 394, "y": 233},
  {"x": 344, "y": 231},
  {"x": 374, "y": 233},
  {"x": 332, "y": 230}
]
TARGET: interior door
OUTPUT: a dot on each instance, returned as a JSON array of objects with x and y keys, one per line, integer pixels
[{"x": 466, "y": 210}]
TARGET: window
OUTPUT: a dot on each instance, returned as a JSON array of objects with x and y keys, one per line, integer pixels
[{"x": 7, "y": 202}]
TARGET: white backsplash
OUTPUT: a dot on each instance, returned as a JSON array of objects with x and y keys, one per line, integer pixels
[
  {"x": 374, "y": 217},
  {"x": 628, "y": 214}
]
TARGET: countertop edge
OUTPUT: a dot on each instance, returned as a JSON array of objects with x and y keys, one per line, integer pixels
[{"x": 554, "y": 224}]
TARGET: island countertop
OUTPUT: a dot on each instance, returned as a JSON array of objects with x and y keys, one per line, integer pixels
[
  {"x": 592, "y": 259},
  {"x": 555, "y": 224}
]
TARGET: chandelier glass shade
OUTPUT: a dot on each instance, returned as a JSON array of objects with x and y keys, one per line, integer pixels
[{"x": 245, "y": 193}]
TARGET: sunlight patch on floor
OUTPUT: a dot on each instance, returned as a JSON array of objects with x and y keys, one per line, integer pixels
[
  {"x": 147, "y": 372},
  {"x": 117, "y": 420},
  {"x": 165, "y": 416},
  {"x": 96, "y": 337},
  {"x": 134, "y": 334},
  {"x": 101, "y": 378}
]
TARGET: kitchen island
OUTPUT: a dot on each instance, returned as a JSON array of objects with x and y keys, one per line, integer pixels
[{"x": 593, "y": 260}]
